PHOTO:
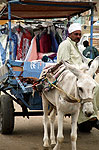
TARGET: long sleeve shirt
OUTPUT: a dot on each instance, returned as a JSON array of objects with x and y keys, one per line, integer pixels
[{"x": 69, "y": 51}]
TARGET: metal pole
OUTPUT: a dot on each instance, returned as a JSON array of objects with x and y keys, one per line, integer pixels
[
  {"x": 91, "y": 33},
  {"x": 9, "y": 19}
]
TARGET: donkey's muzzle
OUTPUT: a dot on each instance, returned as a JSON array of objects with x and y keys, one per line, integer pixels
[{"x": 88, "y": 114}]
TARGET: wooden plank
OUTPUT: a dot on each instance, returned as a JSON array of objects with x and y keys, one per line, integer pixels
[{"x": 17, "y": 68}]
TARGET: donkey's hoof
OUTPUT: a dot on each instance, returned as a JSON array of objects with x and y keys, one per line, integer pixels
[
  {"x": 53, "y": 142},
  {"x": 46, "y": 144},
  {"x": 60, "y": 139}
]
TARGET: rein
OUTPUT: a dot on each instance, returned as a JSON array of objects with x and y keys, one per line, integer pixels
[
  {"x": 86, "y": 100},
  {"x": 69, "y": 97},
  {"x": 51, "y": 77},
  {"x": 72, "y": 99}
]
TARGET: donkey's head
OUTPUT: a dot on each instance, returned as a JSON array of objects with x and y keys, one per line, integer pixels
[{"x": 85, "y": 86}]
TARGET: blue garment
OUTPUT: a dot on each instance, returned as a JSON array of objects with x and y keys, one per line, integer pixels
[
  {"x": 54, "y": 43},
  {"x": 3, "y": 53},
  {"x": 14, "y": 40},
  {"x": 14, "y": 48}
]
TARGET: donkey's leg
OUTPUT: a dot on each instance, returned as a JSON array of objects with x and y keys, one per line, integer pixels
[
  {"x": 60, "y": 136},
  {"x": 57, "y": 146},
  {"x": 45, "y": 121},
  {"x": 52, "y": 120},
  {"x": 74, "y": 119}
]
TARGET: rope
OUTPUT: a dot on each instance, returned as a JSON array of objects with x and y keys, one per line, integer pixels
[{"x": 61, "y": 90}]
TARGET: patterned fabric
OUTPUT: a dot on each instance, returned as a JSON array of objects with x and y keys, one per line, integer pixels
[
  {"x": 19, "y": 34},
  {"x": 5, "y": 48},
  {"x": 14, "y": 41},
  {"x": 3, "y": 42},
  {"x": 26, "y": 40},
  {"x": 3, "y": 53}
]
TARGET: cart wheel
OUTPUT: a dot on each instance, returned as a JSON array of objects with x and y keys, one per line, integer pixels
[{"x": 6, "y": 114}]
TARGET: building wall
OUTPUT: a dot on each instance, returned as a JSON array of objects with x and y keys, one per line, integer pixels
[{"x": 96, "y": 14}]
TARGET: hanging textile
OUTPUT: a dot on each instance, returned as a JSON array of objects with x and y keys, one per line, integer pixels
[
  {"x": 3, "y": 41},
  {"x": 45, "y": 43},
  {"x": 24, "y": 41},
  {"x": 3, "y": 53},
  {"x": 19, "y": 34},
  {"x": 14, "y": 41},
  {"x": 32, "y": 54},
  {"x": 54, "y": 43}
]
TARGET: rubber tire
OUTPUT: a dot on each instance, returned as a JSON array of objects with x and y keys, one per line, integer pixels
[
  {"x": 6, "y": 114},
  {"x": 85, "y": 126}
]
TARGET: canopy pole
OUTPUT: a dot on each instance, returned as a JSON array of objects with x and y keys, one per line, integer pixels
[
  {"x": 9, "y": 19},
  {"x": 91, "y": 32}
]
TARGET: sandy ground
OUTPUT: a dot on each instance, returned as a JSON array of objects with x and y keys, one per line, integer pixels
[{"x": 28, "y": 135}]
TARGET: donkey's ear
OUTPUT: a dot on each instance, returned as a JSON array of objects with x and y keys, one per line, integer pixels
[
  {"x": 73, "y": 69},
  {"x": 94, "y": 66}
]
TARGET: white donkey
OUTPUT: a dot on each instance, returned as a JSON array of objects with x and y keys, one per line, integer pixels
[{"x": 80, "y": 85}]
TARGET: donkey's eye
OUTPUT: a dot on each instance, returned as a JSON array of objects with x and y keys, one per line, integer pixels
[
  {"x": 93, "y": 89},
  {"x": 80, "y": 89}
]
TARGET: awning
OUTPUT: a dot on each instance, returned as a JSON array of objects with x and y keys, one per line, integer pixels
[{"x": 37, "y": 9}]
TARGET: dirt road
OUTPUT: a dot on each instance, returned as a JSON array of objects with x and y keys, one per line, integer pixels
[{"x": 28, "y": 135}]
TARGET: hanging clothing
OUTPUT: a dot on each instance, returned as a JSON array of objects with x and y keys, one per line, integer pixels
[
  {"x": 3, "y": 53},
  {"x": 26, "y": 41},
  {"x": 29, "y": 51},
  {"x": 32, "y": 55},
  {"x": 5, "y": 47},
  {"x": 19, "y": 34},
  {"x": 54, "y": 46},
  {"x": 38, "y": 43},
  {"x": 3, "y": 42},
  {"x": 58, "y": 38},
  {"x": 45, "y": 43},
  {"x": 14, "y": 41}
]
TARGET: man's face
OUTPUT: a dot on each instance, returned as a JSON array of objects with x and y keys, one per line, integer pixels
[{"x": 75, "y": 36}]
